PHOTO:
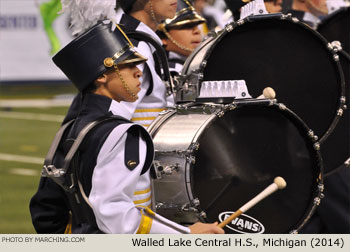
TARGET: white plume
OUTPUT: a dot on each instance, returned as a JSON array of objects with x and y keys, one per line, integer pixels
[{"x": 85, "y": 13}]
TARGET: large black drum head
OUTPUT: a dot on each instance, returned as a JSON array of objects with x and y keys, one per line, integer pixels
[
  {"x": 336, "y": 149},
  {"x": 240, "y": 154},
  {"x": 287, "y": 56}
]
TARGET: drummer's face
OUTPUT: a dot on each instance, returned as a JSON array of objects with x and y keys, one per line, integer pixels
[
  {"x": 189, "y": 37},
  {"x": 163, "y": 9},
  {"x": 273, "y": 6}
]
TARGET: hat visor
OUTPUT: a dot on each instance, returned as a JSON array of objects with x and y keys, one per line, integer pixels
[
  {"x": 135, "y": 58},
  {"x": 191, "y": 21}
]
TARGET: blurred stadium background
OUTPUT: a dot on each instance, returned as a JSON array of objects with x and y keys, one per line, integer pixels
[{"x": 34, "y": 97}]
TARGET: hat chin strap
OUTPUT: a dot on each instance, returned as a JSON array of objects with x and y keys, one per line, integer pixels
[
  {"x": 152, "y": 13},
  {"x": 182, "y": 47},
  {"x": 125, "y": 86}
]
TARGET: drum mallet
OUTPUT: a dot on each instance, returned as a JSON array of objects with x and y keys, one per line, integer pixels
[
  {"x": 268, "y": 93},
  {"x": 278, "y": 183}
]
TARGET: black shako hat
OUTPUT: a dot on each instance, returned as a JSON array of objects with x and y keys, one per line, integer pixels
[
  {"x": 185, "y": 17},
  {"x": 94, "y": 52}
]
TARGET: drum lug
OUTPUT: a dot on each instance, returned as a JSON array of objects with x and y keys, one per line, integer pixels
[
  {"x": 203, "y": 214},
  {"x": 191, "y": 159},
  {"x": 229, "y": 27},
  {"x": 191, "y": 207},
  {"x": 321, "y": 187},
  {"x": 240, "y": 22},
  {"x": 347, "y": 162},
  {"x": 286, "y": 16},
  {"x": 281, "y": 106},
  {"x": 231, "y": 106},
  {"x": 167, "y": 170},
  {"x": 312, "y": 135},
  {"x": 200, "y": 76},
  {"x": 204, "y": 63},
  {"x": 343, "y": 100},
  {"x": 317, "y": 201},
  {"x": 340, "y": 112},
  {"x": 317, "y": 146},
  {"x": 220, "y": 113},
  {"x": 193, "y": 147},
  {"x": 295, "y": 20},
  {"x": 335, "y": 46}
]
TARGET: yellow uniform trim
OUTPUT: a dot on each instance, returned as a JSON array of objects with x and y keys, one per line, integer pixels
[
  {"x": 149, "y": 211},
  {"x": 142, "y": 192},
  {"x": 143, "y": 118},
  {"x": 149, "y": 110},
  {"x": 126, "y": 37},
  {"x": 69, "y": 225},
  {"x": 205, "y": 28},
  {"x": 145, "y": 225},
  {"x": 142, "y": 201}
]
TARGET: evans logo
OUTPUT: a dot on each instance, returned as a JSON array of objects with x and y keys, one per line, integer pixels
[{"x": 243, "y": 224}]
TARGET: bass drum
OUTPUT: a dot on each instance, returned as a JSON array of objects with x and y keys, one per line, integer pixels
[
  {"x": 280, "y": 52},
  {"x": 211, "y": 159},
  {"x": 336, "y": 149}
]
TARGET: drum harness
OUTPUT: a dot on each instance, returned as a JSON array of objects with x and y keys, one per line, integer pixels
[
  {"x": 67, "y": 177},
  {"x": 161, "y": 59}
]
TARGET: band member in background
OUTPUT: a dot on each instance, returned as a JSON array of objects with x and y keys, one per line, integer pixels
[
  {"x": 273, "y": 6},
  {"x": 180, "y": 36},
  {"x": 310, "y": 12},
  {"x": 145, "y": 16},
  {"x": 211, "y": 15},
  {"x": 113, "y": 165}
]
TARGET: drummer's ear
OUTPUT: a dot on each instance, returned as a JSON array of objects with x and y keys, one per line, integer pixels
[{"x": 101, "y": 80}]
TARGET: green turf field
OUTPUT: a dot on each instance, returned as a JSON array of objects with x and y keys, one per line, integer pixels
[{"x": 26, "y": 142}]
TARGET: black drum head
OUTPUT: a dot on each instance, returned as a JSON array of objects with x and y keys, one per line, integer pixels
[
  {"x": 287, "y": 56},
  {"x": 336, "y": 149},
  {"x": 240, "y": 154}
]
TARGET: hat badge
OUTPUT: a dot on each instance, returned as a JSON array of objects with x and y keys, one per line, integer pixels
[{"x": 108, "y": 62}]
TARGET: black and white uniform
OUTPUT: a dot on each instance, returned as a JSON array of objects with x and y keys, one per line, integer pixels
[
  {"x": 120, "y": 195},
  {"x": 176, "y": 62},
  {"x": 152, "y": 97}
]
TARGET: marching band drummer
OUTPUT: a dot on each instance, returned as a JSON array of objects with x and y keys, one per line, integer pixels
[
  {"x": 133, "y": 15},
  {"x": 113, "y": 164},
  {"x": 180, "y": 36}
]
